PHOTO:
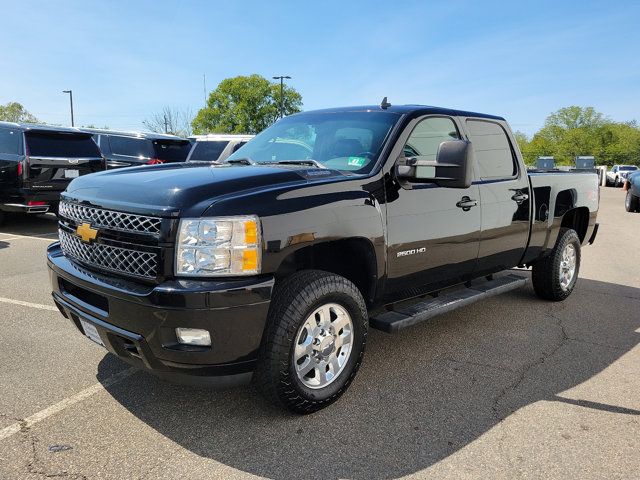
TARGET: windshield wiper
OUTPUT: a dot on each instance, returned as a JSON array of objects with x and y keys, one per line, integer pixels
[
  {"x": 308, "y": 161},
  {"x": 242, "y": 161}
]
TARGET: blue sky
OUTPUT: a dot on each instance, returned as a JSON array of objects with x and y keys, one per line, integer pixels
[{"x": 126, "y": 60}]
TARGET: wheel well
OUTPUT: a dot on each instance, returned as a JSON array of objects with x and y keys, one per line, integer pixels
[
  {"x": 578, "y": 220},
  {"x": 353, "y": 258}
]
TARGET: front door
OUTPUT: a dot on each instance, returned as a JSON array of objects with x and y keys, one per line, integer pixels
[{"x": 432, "y": 237}]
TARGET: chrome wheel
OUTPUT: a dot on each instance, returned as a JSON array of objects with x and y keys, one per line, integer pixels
[
  {"x": 567, "y": 266},
  {"x": 323, "y": 345}
]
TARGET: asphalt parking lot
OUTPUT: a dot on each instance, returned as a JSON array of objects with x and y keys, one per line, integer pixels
[{"x": 513, "y": 387}]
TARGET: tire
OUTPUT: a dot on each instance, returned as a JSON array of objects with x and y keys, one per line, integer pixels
[
  {"x": 280, "y": 374},
  {"x": 2, "y": 217},
  {"x": 631, "y": 202},
  {"x": 546, "y": 274},
  {"x": 616, "y": 183}
]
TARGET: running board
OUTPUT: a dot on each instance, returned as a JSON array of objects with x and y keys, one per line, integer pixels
[{"x": 403, "y": 317}]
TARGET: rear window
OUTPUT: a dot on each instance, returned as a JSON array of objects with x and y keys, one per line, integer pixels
[
  {"x": 209, "y": 151},
  {"x": 171, "y": 150},
  {"x": 60, "y": 144},
  {"x": 10, "y": 141},
  {"x": 131, "y": 147}
]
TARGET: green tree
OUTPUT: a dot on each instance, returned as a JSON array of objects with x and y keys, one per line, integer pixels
[
  {"x": 15, "y": 112},
  {"x": 573, "y": 131},
  {"x": 244, "y": 104}
]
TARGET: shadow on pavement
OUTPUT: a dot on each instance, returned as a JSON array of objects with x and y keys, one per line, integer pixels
[
  {"x": 31, "y": 225},
  {"x": 420, "y": 396}
]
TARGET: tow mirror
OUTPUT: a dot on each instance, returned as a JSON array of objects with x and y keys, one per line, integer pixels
[{"x": 452, "y": 168}]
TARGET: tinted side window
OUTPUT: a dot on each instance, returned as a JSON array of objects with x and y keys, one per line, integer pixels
[
  {"x": 426, "y": 137},
  {"x": 131, "y": 147},
  {"x": 65, "y": 145},
  {"x": 209, "y": 151},
  {"x": 10, "y": 141},
  {"x": 171, "y": 151},
  {"x": 492, "y": 150}
]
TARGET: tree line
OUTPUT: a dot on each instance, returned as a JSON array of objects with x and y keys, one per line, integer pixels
[
  {"x": 573, "y": 131},
  {"x": 249, "y": 104}
]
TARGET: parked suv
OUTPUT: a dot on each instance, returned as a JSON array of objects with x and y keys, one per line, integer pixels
[
  {"x": 215, "y": 147},
  {"x": 37, "y": 162},
  {"x": 127, "y": 149}
]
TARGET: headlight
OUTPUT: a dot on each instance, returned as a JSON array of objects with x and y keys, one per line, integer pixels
[{"x": 222, "y": 246}]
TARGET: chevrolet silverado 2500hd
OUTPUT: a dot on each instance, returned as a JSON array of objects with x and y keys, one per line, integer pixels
[{"x": 272, "y": 265}]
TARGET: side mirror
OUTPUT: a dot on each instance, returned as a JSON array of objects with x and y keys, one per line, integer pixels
[{"x": 452, "y": 168}]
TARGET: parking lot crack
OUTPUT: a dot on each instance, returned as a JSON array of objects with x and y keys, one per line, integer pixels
[
  {"x": 34, "y": 464},
  {"x": 522, "y": 374}
]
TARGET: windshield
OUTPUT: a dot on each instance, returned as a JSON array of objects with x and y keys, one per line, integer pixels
[
  {"x": 348, "y": 141},
  {"x": 628, "y": 167}
]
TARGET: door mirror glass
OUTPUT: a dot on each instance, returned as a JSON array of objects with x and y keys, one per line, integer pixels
[{"x": 453, "y": 166}]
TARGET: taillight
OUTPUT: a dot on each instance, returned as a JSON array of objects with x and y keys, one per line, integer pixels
[
  {"x": 36, "y": 204},
  {"x": 19, "y": 169},
  {"x": 155, "y": 161}
]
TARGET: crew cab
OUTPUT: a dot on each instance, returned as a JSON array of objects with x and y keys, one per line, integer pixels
[
  {"x": 37, "y": 162},
  {"x": 272, "y": 265}
]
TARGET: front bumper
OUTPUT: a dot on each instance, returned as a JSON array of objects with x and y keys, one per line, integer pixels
[{"x": 137, "y": 322}]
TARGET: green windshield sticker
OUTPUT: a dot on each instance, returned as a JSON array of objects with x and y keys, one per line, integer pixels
[{"x": 356, "y": 161}]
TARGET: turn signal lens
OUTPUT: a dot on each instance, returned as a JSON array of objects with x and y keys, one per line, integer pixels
[{"x": 223, "y": 246}]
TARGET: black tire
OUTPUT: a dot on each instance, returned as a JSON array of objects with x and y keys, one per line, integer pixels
[
  {"x": 546, "y": 271},
  {"x": 295, "y": 299},
  {"x": 631, "y": 202}
]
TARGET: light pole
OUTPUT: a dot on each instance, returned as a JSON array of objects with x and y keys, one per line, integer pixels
[
  {"x": 70, "y": 92},
  {"x": 281, "y": 78}
]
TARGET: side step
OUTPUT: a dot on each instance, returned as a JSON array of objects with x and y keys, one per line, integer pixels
[{"x": 403, "y": 317}]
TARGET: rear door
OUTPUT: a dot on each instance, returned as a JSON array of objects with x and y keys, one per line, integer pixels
[
  {"x": 504, "y": 196},
  {"x": 56, "y": 158}
]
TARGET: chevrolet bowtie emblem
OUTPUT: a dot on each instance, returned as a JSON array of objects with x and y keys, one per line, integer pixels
[{"x": 86, "y": 232}]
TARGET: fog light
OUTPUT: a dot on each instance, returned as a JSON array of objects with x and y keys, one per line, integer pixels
[{"x": 193, "y": 336}]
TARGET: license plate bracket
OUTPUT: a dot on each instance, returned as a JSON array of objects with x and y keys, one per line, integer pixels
[
  {"x": 71, "y": 173},
  {"x": 91, "y": 332}
]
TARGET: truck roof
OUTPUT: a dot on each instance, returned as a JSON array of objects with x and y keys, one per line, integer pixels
[{"x": 410, "y": 109}]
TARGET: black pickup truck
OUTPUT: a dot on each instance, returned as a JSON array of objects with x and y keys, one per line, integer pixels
[
  {"x": 37, "y": 162},
  {"x": 272, "y": 265}
]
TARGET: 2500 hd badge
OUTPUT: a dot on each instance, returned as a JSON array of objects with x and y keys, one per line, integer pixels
[{"x": 259, "y": 269}]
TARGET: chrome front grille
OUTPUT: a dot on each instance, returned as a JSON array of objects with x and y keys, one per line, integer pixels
[
  {"x": 107, "y": 257},
  {"x": 99, "y": 217}
]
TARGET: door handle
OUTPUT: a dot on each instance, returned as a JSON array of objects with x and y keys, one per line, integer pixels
[
  {"x": 466, "y": 203},
  {"x": 520, "y": 197}
]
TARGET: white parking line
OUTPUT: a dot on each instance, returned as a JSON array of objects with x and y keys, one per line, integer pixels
[
  {"x": 64, "y": 404},
  {"x": 44, "y": 236},
  {"x": 28, "y": 304}
]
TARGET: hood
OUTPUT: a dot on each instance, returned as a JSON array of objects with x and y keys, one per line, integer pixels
[{"x": 181, "y": 188}]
